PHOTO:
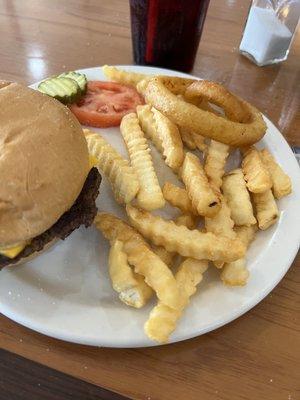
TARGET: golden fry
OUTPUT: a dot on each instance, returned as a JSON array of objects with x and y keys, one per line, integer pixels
[
  {"x": 188, "y": 220},
  {"x": 236, "y": 273},
  {"x": 163, "y": 133},
  {"x": 238, "y": 199},
  {"x": 215, "y": 161},
  {"x": 147, "y": 123},
  {"x": 178, "y": 197},
  {"x": 117, "y": 170},
  {"x": 246, "y": 234},
  {"x": 221, "y": 225},
  {"x": 150, "y": 196},
  {"x": 256, "y": 175},
  {"x": 186, "y": 242},
  {"x": 187, "y": 138},
  {"x": 199, "y": 141},
  {"x": 131, "y": 287},
  {"x": 166, "y": 256},
  {"x": 266, "y": 209},
  {"x": 163, "y": 319},
  {"x": 203, "y": 197},
  {"x": 282, "y": 185},
  {"x": 188, "y": 269},
  {"x": 114, "y": 228},
  {"x": 142, "y": 86},
  {"x": 121, "y": 76},
  {"x": 170, "y": 138},
  {"x": 156, "y": 273}
]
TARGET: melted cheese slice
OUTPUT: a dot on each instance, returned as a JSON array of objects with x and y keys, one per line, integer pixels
[
  {"x": 12, "y": 252},
  {"x": 93, "y": 161}
]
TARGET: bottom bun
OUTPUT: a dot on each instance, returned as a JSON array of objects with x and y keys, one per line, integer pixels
[{"x": 33, "y": 255}]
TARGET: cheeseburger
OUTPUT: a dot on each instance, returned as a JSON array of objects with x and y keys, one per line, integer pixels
[{"x": 48, "y": 188}]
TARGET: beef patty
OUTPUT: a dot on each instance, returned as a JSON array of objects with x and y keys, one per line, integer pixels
[{"x": 82, "y": 212}]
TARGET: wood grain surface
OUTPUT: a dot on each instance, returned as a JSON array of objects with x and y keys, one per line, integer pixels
[{"x": 254, "y": 357}]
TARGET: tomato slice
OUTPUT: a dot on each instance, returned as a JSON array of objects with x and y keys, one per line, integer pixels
[{"x": 105, "y": 104}]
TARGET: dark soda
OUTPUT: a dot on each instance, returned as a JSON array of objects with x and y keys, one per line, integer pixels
[{"x": 166, "y": 33}]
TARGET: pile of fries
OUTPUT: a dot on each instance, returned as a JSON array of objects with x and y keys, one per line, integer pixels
[{"x": 219, "y": 212}]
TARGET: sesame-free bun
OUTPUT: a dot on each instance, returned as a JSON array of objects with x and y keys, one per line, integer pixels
[{"x": 43, "y": 162}]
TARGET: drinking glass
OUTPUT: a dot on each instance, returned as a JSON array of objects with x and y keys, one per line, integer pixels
[{"x": 166, "y": 33}]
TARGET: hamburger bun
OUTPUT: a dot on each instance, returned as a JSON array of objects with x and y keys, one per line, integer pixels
[{"x": 43, "y": 162}]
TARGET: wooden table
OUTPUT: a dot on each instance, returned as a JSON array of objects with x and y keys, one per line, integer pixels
[{"x": 254, "y": 357}]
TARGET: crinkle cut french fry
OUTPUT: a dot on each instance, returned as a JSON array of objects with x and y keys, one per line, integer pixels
[
  {"x": 187, "y": 138},
  {"x": 186, "y": 242},
  {"x": 215, "y": 161},
  {"x": 256, "y": 175},
  {"x": 150, "y": 196},
  {"x": 142, "y": 86},
  {"x": 204, "y": 199},
  {"x": 114, "y": 228},
  {"x": 163, "y": 319},
  {"x": 189, "y": 275},
  {"x": 236, "y": 273},
  {"x": 199, "y": 141},
  {"x": 238, "y": 198},
  {"x": 145, "y": 262},
  {"x": 164, "y": 135},
  {"x": 179, "y": 198},
  {"x": 117, "y": 170},
  {"x": 266, "y": 209},
  {"x": 147, "y": 123},
  {"x": 282, "y": 185},
  {"x": 161, "y": 322},
  {"x": 221, "y": 225},
  {"x": 170, "y": 139},
  {"x": 188, "y": 220},
  {"x": 122, "y": 76},
  {"x": 166, "y": 256},
  {"x": 155, "y": 271},
  {"x": 131, "y": 287},
  {"x": 246, "y": 234}
]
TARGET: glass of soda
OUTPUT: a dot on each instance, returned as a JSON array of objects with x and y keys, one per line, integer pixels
[{"x": 166, "y": 33}]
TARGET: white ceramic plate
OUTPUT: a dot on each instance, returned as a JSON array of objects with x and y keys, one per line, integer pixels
[{"x": 66, "y": 293}]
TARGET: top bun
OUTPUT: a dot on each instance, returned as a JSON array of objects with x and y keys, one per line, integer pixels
[{"x": 43, "y": 162}]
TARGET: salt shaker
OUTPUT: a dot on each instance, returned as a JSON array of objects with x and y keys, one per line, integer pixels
[{"x": 269, "y": 30}]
